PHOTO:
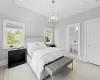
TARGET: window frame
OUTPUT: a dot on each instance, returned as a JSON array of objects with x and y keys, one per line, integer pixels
[
  {"x": 21, "y": 25},
  {"x": 46, "y": 29}
]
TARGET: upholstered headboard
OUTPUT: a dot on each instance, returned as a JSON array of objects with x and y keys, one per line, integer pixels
[{"x": 33, "y": 39}]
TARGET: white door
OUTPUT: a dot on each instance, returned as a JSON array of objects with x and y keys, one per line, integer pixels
[{"x": 93, "y": 42}]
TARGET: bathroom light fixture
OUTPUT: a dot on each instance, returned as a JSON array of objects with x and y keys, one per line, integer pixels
[
  {"x": 76, "y": 28},
  {"x": 52, "y": 16}
]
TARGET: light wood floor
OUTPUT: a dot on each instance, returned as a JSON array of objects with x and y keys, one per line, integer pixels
[
  {"x": 2, "y": 71},
  {"x": 82, "y": 71}
]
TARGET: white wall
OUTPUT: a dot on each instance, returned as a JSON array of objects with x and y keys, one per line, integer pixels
[
  {"x": 35, "y": 22},
  {"x": 60, "y": 28}
]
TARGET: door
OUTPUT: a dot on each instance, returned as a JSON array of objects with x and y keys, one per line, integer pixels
[{"x": 93, "y": 42}]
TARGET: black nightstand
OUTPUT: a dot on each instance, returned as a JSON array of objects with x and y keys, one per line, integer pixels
[
  {"x": 16, "y": 57},
  {"x": 51, "y": 45}
]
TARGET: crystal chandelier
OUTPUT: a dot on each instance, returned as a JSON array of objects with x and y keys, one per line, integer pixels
[{"x": 52, "y": 16}]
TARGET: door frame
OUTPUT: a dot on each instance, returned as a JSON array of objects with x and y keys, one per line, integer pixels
[
  {"x": 79, "y": 38},
  {"x": 85, "y": 36}
]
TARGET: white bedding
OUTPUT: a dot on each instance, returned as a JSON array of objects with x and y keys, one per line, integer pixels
[
  {"x": 34, "y": 46},
  {"x": 43, "y": 56}
]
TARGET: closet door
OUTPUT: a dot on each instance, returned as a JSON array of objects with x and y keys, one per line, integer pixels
[{"x": 93, "y": 42}]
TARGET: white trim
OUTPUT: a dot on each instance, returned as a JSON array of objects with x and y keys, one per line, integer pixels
[
  {"x": 67, "y": 38},
  {"x": 21, "y": 25},
  {"x": 49, "y": 29},
  {"x": 79, "y": 41},
  {"x": 85, "y": 36},
  {"x": 85, "y": 41},
  {"x": 3, "y": 62}
]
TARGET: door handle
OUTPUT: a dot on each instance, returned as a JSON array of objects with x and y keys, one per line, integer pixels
[{"x": 89, "y": 45}]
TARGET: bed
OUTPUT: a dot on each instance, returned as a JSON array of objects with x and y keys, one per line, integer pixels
[{"x": 38, "y": 55}]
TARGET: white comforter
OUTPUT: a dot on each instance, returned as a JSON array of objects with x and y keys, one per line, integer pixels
[{"x": 44, "y": 56}]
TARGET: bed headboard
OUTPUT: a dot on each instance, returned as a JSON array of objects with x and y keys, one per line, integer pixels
[{"x": 33, "y": 39}]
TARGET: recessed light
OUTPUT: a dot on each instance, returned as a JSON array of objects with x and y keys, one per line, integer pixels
[{"x": 81, "y": 2}]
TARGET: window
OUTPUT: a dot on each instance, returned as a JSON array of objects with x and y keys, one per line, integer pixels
[
  {"x": 48, "y": 35},
  {"x": 13, "y": 34}
]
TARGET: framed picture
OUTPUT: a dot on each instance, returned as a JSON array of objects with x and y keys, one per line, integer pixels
[{"x": 48, "y": 35}]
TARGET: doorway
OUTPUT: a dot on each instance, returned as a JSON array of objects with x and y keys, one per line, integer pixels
[{"x": 73, "y": 40}]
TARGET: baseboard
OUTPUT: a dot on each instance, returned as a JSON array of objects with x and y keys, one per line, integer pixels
[
  {"x": 76, "y": 57},
  {"x": 3, "y": 62}
]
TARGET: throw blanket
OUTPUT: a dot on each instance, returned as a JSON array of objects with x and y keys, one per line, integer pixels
[{"x": 44, "y": 56}]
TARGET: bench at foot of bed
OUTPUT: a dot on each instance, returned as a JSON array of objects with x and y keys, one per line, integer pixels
[{"x": 57, "y": 66}]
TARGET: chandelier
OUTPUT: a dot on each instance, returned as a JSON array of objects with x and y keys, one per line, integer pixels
[{"x": 53, "y": 16}]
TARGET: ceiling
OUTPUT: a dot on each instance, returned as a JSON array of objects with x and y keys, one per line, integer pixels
[{"x": 63, "y": 8}]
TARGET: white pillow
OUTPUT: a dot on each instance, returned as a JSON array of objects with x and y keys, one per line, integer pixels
[
  {"x": 30, "y": 47},
  {"x": 41, "y": 44}
]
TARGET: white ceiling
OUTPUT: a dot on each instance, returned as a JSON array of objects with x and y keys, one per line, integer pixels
[{"x": 64, "y": 8}]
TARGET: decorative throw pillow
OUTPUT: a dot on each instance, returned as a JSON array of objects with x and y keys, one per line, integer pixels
[{"x": 41, "y": 44}]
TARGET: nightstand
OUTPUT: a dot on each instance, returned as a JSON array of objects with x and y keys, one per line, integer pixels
[
  {"x": 16, "y": 57},
  {"x": 51, "y": 45}
]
